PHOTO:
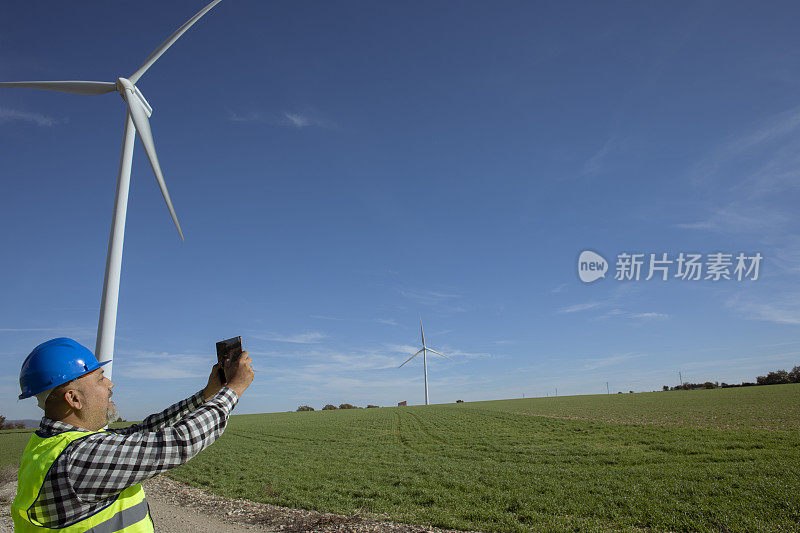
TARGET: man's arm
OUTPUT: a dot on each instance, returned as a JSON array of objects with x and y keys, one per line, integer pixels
[{"x": 104, "y": 464}]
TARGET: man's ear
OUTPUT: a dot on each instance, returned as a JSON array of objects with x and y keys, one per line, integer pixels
[{"x": 73, "y": 399}]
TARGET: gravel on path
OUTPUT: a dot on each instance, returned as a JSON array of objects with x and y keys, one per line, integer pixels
[{"x": 179, "y": 508}]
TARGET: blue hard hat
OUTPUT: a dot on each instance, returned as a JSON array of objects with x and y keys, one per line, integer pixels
[{"x": 54, "y": 363}]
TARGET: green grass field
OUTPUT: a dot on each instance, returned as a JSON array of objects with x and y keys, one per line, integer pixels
[
  {"x": 715, "y": 460},
  {"x": 12, "y": 444}
]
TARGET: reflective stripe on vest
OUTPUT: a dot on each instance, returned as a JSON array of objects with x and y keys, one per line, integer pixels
[
  {"x": 121, "y": 520},
  {"x": 128, "y": 512}
]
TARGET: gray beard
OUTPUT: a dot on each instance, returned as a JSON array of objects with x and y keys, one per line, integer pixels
[{"x": 112, "y": 415}]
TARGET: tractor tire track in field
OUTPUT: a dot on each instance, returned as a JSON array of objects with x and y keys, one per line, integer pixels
[
  {"x": 427, "y": 431},
  {"x": 409, "y": 431},
  {"x": 413, "y": 434},
  {"x": 399, "y": 433},
  {"x": 266, "y": 438}
]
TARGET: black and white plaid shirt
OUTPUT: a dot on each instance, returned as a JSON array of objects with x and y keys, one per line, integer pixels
[{"x": 91, "y": 471}]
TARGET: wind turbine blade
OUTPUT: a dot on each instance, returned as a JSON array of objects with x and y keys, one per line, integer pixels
[
  {"x": 421, "y": 332},
  {"x": 137, "y": 113},
  {"x": 169, "y": 42},
  {"x": 73, "y": 87},
  {"x": 410, "y": 358},
  {"x": 437, "y": 353}
]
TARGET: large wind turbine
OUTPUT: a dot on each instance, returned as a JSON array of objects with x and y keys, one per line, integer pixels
[
  {"x": 137, "y": 115},
  {"x": 423, "y": 351}
]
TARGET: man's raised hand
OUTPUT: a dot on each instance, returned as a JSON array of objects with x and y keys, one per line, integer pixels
[{"x": 239, "y": 373}]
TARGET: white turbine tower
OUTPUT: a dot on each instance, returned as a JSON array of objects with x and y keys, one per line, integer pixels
[
  {"x": 424, "y": 351},
  {"x": 137, "y": 116}
]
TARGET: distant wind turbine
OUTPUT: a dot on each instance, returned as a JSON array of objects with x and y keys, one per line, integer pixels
[
  {"x": 424, "y": 358},
  {"x": 137, "y": 115}
]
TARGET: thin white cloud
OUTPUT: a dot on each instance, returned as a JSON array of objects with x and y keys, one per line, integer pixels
[
  {"x": 387, "y": 321},
  {"x": 738, "y": 218},
  {"x": 749, "y": 180},
  {"x": 312, "y": 337},
  {"x": 560, "y": 288},
  {"x": 293, "y": 119},
  {"x": 774, "y": 129},
  {"x": 428, "y": 297},
  {"x": 786, "y": 257},
  {"x": 310, "y": 386},
  {"x": 325, "y": 317},
  {"x": 17, "y": 330},
  {"x": 305, "y": 119},
  {"x": 753, "y": 366},
  {"x": 245, "y": 116},
  {"x": 456, "y": 353},
  {"x": 616, "y": 312},
  {"x": 621, "y": 313},
  {"x": 68, "y": 331},
  {"x": 7, "y": 115},
  {"x": 781, "y": 310},
  {"x": 321, "y": 365},
  {"x": 161, "y": 366},
  {"x": 594, "y": 164},
  {"x": 581, "y": 307},
  {"x": 402, "y": 348},
  {"x": 328, "y": 363},
  {"x": 442, "y": 301},
  {"x": 296, "y": 119},
  {"x": 601, "y": 362},
  {"x": 619, "y": 297},
  {"x": 649, "y": 316}
]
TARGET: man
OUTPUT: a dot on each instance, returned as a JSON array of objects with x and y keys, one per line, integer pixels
[{"x": 76, "y": 476}]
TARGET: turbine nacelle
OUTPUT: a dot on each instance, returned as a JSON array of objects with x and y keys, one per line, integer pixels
[{"x": 124, "y": 85}]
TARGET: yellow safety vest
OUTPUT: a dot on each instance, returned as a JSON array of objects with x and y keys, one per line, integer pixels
[{"x": 128, "y": 512}]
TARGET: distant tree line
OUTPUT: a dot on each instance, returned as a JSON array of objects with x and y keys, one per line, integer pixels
[
  {"x": 777, "y": 377},
  {"x": 10, "y": 425},
  {"x": 330, "y": 407},
  {"x": 780, "y": 377}
]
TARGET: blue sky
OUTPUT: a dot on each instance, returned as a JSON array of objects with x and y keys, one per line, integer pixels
[{"x": 341, "y": 169}]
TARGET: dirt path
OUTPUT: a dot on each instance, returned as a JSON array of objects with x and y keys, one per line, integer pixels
[
  {"x": 175, "y": 512},
  {"x": 178, "y": 508}
]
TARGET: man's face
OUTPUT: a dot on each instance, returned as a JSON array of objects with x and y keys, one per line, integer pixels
[{"x": 97, "y": 409}]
